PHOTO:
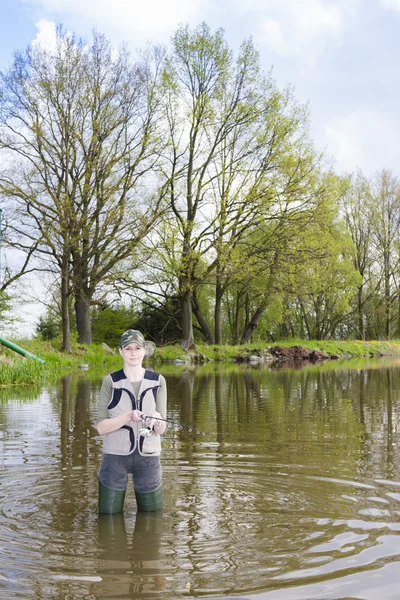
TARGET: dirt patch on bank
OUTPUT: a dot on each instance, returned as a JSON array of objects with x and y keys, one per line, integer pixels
[{"x": 281, "y": 353}]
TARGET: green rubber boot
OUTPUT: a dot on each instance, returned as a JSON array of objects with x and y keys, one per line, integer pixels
[
  {"x": 150, "y": 501},
  {"x": 111, "y": 501}
]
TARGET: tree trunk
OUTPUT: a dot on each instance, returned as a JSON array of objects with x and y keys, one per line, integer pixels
[
  {"x": 219, "y": 292},
  {"x": 187, "y": 340},
  {"x": 66, "y": 329},
  {"x": 236, "y": 318},
  {"x": 361, "y": 325},
  {"x": 387, "y": 303},
  {"x": 82, "y": 313},
  {"x": 304, "y": 318},
  {"x": 241, "y": 304},
  {"x": 205, "y": 328},
  {"x": 253, "y": 323},
  {"x": 398, "y": 315}
]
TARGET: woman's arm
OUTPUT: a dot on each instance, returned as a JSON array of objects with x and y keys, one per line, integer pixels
[
  {"x": 106, "y": 424},
  {"x": 113, "y": 423}
]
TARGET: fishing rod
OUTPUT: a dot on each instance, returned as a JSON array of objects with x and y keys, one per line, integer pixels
[{"x": 175, "y": 423}]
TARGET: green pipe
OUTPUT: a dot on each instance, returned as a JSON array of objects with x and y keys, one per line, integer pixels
[{"x": 18, "y": 349}]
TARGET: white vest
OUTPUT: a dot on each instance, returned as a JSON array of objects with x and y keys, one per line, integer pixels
[{"x": 125, "y": 440}]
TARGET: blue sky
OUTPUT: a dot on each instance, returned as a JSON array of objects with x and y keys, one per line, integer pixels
[{"x": 341, "y": 56}]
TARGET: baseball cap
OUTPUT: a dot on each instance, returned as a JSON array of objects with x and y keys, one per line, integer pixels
[{"x": 131, "y": 336}]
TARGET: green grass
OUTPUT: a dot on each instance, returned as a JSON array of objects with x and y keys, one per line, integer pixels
[
  {"x": 16, "y": 370},
  {"x": 344, "y": 348},
  {"x": 349, "y": 347},
  {"x": 21, "y": 372}
]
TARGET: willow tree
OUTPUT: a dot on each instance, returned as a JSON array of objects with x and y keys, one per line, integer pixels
[{"x": 78, "y": 137}]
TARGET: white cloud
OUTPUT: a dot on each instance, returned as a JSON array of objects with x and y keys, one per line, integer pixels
[
  {"x": 314, "y": 18},
  {"x": 46, "y": 35},
  {"x": 300, "y": 27},
  {"x": 273, "y": 33},
  {"x": 366, "y": 138},
  {"x": 391, "y": 4},
  {"x": 287, "y": 26},
  {"x": 127, "y": 19}
]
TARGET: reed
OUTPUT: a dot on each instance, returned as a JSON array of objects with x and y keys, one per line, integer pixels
[{"x": 21, "y": 372}]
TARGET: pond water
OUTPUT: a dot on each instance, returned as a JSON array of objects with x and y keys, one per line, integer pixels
[{"x": 292, "y": 493}]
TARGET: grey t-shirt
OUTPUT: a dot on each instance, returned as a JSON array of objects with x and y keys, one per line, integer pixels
[{"x": 106, "y": 393}]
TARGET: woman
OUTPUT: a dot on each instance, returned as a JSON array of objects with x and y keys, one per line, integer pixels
[{"x": 131, "y": 400}]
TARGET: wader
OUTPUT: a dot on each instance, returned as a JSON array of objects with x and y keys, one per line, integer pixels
[{"x": 113, "y": 479}]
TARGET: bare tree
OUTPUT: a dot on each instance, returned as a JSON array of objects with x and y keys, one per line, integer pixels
[
  {"x": 357, "y": 209},
  {"x": 80, "y": 137},
  {"x": 385, "y": 218}
]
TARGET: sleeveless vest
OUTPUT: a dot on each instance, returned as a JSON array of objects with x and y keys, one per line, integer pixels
[{"x": 125, "y": 440}]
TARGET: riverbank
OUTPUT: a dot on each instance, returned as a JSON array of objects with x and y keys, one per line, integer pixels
[
  {"x": 286, "y": 350},
  {"x": 16, "y": 370}
]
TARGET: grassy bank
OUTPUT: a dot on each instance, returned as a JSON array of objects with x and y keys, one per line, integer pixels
[
  {"x": 348, "y": 348},
  {"x": 15, "y": 370}
]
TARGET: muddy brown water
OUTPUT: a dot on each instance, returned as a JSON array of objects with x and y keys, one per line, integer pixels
[{"x": 293, "y": 493}]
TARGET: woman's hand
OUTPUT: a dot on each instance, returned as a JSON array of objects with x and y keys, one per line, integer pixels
[
  {"x": 152, "y": 421},
  {"x": 152, "y": 418},
  {"x": 136, "y": 415}
]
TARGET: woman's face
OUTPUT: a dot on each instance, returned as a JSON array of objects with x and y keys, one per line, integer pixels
[{"x": 133, "y": 354}]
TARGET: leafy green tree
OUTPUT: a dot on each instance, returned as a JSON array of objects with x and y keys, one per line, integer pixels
[
  {"x": 288, "y": 238},
  {"x": 374, "y": 310},
  {"x": 160, "y": 322},
  {"x": 326, "y": 284},
  {"x": 5, "y": 307},
  {"x": 109, "y": 322},
  {"x": 50, "y": 324},
  {"x": 48, "y": 327},
  {"x": 239, "y": 155}
]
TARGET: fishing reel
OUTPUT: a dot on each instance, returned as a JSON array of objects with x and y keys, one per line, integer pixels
[{"x": 145, "y": 431}]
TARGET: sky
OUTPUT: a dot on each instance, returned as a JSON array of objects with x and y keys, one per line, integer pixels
[{"x": 341, "y": 56}]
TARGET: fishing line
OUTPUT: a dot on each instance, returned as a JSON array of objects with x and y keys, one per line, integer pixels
[{"x": 175, "y": 423}]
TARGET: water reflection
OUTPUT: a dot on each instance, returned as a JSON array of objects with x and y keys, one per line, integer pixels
[
  {"x": 134, "y": 558},
  {"x": 293, "y": 493}
]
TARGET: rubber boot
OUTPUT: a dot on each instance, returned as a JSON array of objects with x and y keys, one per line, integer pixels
[
  {"x": 150, "y": 501},
  {"x": 111, "y": 501}
]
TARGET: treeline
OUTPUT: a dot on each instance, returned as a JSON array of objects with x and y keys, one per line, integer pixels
[{"x": 185, "y": 185}]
